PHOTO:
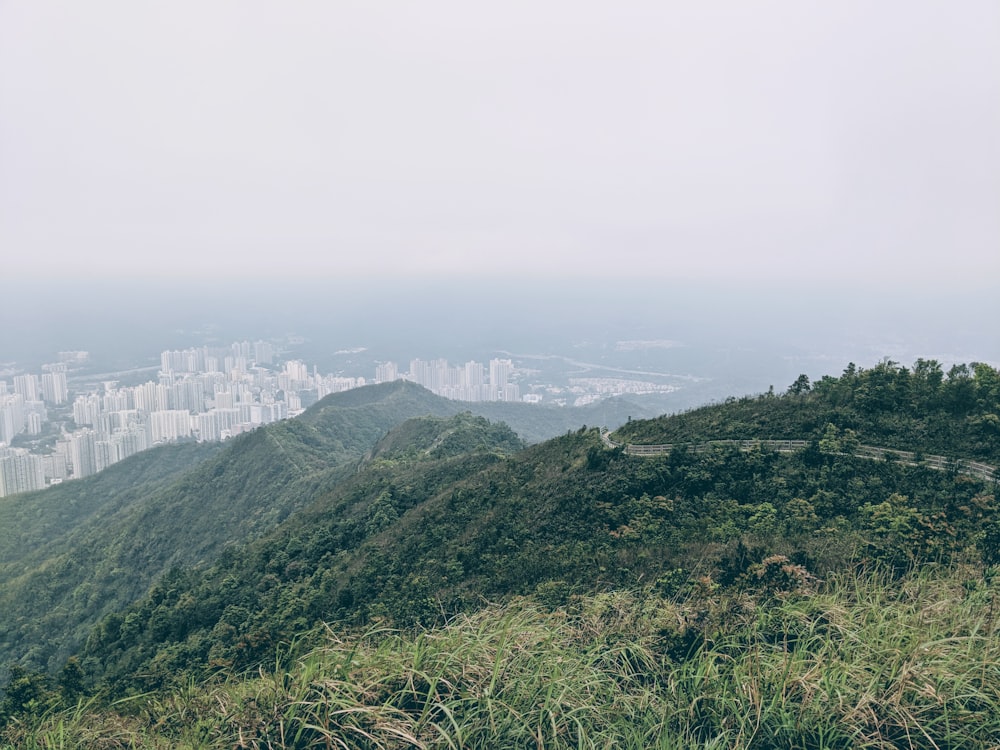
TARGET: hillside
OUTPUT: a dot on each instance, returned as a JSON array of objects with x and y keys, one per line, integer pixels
[
  {"x": 858, "y": 661},
  {"x": 75, "y": 553},
  {"x": 722, "y": 560},
  {"x": 33, "y": 521},
  {"x": 72, "y": 554},
  {"x": 920, "y": 409},
  {"x": 414, "y": 538}
]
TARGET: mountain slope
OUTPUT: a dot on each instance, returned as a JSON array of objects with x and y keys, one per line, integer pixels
[
  {"x": 73, "y": 554},
  {"x": 34, "y": 521},
  {"x": 920, "y": 409},
  {"x": 156, "y": 516},
  {"x": 412, "y": 537}
]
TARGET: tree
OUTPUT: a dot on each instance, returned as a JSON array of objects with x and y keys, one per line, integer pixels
[
  {"x": 800, "y": 386},
  {"x": 926, "y": 383},
  {"x": 960, "y": 389},
  {"x": 26, "y": 694},
  {"x": 71, "y": 681},
  {"x": 830, "y": 442}
]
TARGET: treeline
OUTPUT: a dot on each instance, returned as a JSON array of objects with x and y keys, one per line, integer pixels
[
  {"x": 921, "y": 408},
  {"x": 418, "y": 542},
  {"x": 443, "y": 517}
]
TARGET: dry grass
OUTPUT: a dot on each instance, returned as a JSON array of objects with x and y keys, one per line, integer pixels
[{"x": 861, "y": 662}]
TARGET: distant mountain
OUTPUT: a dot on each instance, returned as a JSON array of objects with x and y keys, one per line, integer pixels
[
  {"x": 442, "y": 518},
  {"x": 73, "y": 554},
  {"x": 32, "y": 524}
]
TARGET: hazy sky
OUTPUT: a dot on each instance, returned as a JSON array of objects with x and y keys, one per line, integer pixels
[{"x": 682, "y": 140}]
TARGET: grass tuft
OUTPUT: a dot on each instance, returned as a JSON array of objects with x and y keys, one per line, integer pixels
[{"x": 858, "y": 661}]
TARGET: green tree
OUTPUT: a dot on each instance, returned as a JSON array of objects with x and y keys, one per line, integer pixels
[
  {"x": 26, "y": 695},
  {"x": 800, "y": 386},
  {"x": 71, "y": 681}
]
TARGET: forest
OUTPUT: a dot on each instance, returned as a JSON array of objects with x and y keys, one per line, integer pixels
[{"x": 448, "y": 586}]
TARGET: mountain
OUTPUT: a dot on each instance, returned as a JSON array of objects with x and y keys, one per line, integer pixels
[
  {"x": 920, "y": 409},
  {"x": 449, "y": 587},
  {"x": 73, "y": 554},
  {"x": 415, "y": 537}
]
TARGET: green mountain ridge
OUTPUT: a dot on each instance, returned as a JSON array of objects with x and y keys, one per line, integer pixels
[
  {"x": 411, "y": 538},
  {"x": 919, "y": 409},
  {"x": 852, "y": 597},
  {"x": 73, "y": 554}
]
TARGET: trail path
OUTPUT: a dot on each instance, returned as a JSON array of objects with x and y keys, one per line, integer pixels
[{"x": 972, "y": 468}]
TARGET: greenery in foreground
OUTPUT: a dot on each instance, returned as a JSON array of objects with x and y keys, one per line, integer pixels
[
  {"x": 781, "y": 660},
  {"x": 697, "y": 599},
  {"x": 413, "y": 541}
]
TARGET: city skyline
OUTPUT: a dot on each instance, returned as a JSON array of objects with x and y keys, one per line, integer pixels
[{"x": 201, "y": 393}]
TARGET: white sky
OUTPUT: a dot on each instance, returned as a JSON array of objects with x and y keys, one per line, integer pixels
[{"x": 732, "y": 140}]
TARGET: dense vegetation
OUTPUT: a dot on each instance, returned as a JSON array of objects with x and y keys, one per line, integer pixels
[
  {"x": 75, "y": 553},
  {"x": 699, "y": 598},
  {"x": 920, "y": 409},
  {"x": 41, "y": 531},
  {"x": 32, "y": 521},
  {"x": 415, "y": 542},
  {"x": 781, "y": 662}
]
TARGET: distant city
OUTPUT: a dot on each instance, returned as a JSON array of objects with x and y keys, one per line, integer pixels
[{"x": 211, "y": 394}]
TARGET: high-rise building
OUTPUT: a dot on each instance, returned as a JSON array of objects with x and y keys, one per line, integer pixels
[
  {"x": 12, "y": 416},
  {"x": 33, "y": 424},
  {"x": 169, "y": 424},
  {"x": 500, "y": 372},
  {"x": 87, "y": 409},
  {"x": 54, "y": 466},
  {"x": 144, "y": 397},
  {"x": 386, "y": 372},
  {"x": 55, "y": 388},
  {"x": 20, "y": 472},
  {"x": 83, "y": 453},
  {"x": 224, "y": 398},
  {"x": 228, "y": 420},
  {"x": 162, "y": 400},
  {"x": 27, "y": 386},
  {"x": 117, "y": 400},
  {"x": 475, "y": 374},
  {"x": 209, "y": 426}
]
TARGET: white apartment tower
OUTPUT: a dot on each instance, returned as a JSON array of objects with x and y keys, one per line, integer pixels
[
  {"x": 27, "y": 386},
  {"x": 55, "y": 388},
  {"x": 20, "y": 472},
  {"x": 83, "y": 453}
]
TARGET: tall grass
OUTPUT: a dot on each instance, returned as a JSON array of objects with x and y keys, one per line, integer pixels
[{"x": 862, "y": 662}]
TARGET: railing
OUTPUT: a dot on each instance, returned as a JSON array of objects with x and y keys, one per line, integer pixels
[{"x": 941, "y": 463}]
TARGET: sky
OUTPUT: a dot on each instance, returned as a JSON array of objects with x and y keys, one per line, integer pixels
[{"x": 786, "y": 141}]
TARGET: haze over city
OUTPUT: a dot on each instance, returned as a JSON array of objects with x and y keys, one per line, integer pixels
[
  {"x": 776, "y": 188},
  {"x": 772, "y": 142}
]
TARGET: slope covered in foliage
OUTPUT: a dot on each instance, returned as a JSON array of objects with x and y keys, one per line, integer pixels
[
  {"x": 920, "y": 409},
  {"x": 33, "y": 522},
  {"x": 75, "y": 553},
  {"x": 414, "y": 538},
  {"x": 698, "y": 598},
  {"x": 858, "y": 661}
]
